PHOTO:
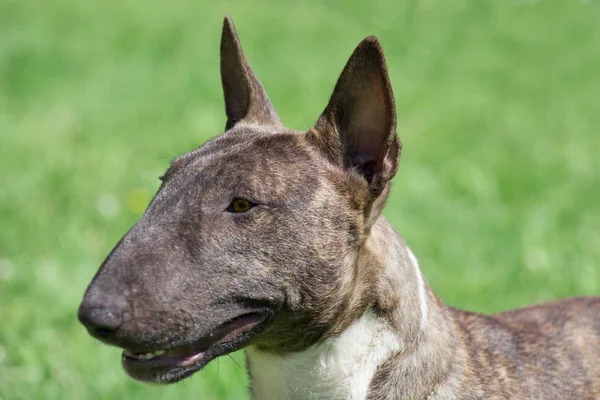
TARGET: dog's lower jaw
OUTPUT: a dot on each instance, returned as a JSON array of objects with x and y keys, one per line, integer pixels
[{"x": 404, "y": 340}]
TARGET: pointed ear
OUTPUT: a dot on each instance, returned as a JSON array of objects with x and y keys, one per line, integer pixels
[
  {"x": 245, "y": 97},
  {"x": 358, "y": 127}
]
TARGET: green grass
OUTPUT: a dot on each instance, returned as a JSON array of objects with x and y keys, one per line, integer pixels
[{"x": 498, "y": 191}]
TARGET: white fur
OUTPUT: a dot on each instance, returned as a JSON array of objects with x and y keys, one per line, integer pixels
[
  {"x": 420, "y": 289},
  {"x": 339, "y": 368}
]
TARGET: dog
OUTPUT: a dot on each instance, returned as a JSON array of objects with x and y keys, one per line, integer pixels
[{"x": 272, "y": 241}]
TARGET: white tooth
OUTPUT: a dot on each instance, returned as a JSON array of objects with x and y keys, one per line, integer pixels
[
  {"x": 150, "y": 356},
  {"x": 145, "y": 356}
]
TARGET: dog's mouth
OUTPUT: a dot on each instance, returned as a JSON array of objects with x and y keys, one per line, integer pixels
[{"x": 173, "y": 364}]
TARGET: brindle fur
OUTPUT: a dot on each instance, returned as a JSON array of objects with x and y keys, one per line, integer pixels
[{"x": 315, "y": 254}]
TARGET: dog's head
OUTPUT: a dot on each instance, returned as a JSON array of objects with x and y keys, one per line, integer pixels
[{"x": 254, "y": 237}]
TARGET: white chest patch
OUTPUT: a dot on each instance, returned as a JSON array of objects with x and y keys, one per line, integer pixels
[{"x": 339, "y": 368}]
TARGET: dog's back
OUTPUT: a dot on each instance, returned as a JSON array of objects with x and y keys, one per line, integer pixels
[{"x": 545, "y": 351}]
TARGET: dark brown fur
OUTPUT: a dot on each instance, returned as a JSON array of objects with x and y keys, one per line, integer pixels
[
  {"x": 314, "y": 254},
  {"x": 547, "y": 351}
]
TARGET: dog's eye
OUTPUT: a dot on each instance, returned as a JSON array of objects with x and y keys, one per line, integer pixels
[{"x": 240, "y": 206}]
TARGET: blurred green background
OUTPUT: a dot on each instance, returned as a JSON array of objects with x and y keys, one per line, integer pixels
[{"x": 498, "y": 192}]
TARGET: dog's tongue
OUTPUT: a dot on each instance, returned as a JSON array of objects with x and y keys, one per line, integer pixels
[{"x": 193, "y": 352}]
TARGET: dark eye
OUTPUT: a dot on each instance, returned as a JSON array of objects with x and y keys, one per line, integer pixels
[{"x": 240, "y": 206}]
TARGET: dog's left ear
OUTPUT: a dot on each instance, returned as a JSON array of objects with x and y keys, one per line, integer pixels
[{"x": 357, "y": 130}]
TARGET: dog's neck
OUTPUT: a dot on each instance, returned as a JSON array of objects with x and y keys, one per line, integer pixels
[{"x": 399, "y": 348}]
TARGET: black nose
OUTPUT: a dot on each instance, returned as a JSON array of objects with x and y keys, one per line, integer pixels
[{"x": 102, "y": 319}]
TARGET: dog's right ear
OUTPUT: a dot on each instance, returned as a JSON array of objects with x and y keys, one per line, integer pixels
[
  {"x": 357, "y": 130},
  {"x": 245, "y": 97}
]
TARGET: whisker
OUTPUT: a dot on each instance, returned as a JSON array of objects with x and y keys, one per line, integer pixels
[{"x": 236, "y": 363}]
